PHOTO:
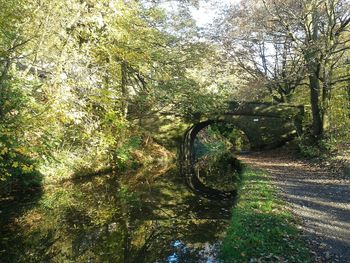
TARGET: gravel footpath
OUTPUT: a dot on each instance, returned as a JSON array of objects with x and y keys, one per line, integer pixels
[{"x": 318, "y": 197}]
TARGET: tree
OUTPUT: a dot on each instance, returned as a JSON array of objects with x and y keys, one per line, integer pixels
[
  {"x": 286, "y": 44},
  {"x": 261, "y": 54},
  {"x": 317, "y": 29}
]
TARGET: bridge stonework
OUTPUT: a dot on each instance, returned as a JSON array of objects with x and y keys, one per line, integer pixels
[{"x": 266, "y": 125}]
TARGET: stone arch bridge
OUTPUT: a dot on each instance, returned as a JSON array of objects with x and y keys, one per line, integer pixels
[{"x": 266, "y": 125}]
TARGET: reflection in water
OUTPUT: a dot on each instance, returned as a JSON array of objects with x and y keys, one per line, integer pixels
[
  {"x": 215, "y": 163},
  {"x": 179, "y": 251},
  {"x": 208, "y": 254},
  {"x": 153, "y": 218},
  {"x": 186, "y": 227}
]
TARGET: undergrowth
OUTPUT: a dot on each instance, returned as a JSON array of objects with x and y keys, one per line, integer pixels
[{"x": 310, "y": 147}]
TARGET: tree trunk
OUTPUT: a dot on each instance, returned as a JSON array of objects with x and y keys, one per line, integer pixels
[
  {"x": 5, "y": 70},
  {"x": 326, "y": 96},
  {"x": 313, "y": 63},
  {"x": 317, "y": 127},
  {"x": 124, "y": 89},
  {"x": 348, "y": 96},
  {"x": 347, "y": 88},
  {"x": 3, "y": 87}
]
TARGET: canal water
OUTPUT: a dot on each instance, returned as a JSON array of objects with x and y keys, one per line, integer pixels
[
  {"x": 147, "y": 216},
  {"x": 176, "y": 224},
  {"x": 164, "y": 222}
]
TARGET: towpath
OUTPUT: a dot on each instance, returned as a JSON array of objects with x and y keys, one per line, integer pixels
[{"x": 318, "y": 197}]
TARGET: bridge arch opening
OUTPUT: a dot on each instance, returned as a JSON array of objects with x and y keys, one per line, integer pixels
[
  {"x": 263, "y": 125},
  {"x": 215, "y": 148},
  {"x": 207, "y": 158}
]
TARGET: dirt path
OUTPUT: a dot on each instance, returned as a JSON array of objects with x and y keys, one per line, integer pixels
[{"x": 321, "y": 200}]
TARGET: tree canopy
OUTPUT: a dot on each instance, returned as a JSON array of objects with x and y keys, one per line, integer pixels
[{"x": 84, "y": 76}]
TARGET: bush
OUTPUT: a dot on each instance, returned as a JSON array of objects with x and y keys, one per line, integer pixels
[
  {"x": 123, "y": 158},
  {"x": 310, "y": 147},
  {"x": 17, "y": 172}
]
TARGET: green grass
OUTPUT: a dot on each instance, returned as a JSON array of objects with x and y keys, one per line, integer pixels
[{"x": 261, "y": 230}]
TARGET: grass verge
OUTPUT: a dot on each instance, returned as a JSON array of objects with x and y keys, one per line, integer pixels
[{"x": 261, "y": 230}]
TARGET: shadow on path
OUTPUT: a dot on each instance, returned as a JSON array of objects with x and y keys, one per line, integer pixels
[{"x": 321, "y": 199}]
